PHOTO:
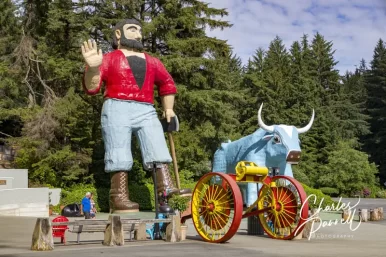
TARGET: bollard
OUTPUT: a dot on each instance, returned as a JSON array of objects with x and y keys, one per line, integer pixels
[
  {"x": 42, "y": 239},
  {"x": 114, "y": 232}
]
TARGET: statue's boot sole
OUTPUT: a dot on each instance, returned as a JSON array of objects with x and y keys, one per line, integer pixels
[{"x": 124, "y": 211}]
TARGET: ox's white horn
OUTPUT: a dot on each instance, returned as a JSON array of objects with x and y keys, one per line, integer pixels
[
  {"x": 261, "y": 123},
  {"x": 306, "y": 128}
]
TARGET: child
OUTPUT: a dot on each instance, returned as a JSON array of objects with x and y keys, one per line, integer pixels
[{"x": 93, "y": 209}]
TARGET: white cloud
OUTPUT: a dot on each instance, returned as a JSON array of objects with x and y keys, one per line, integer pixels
[{"x": 354, "y": 26}]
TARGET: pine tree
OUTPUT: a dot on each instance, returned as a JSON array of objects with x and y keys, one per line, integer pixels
[
  {"x": 376, "y": 107},
  {"x": 327, "y": 81},
  {"x": 267, "y": 81},
  {"x": 304, "y": 98},
  {"x": 55, "y": 142},
  {"x": 253, "y": 82},
  {"x": 206, "y": 74},
  {"x": 351, "y": 105},
  {"x": 12, "y": 94}
]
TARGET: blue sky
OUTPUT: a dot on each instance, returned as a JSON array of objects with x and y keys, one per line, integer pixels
[{"x": 354, "y": 26}]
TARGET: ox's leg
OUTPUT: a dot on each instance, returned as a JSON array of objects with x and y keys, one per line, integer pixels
[
  {"x": 243, "y": 190},
  {"x": 219, "y": 162},
  {"x": 287, "y": 171},
  {"x": 252, "y": 191}
]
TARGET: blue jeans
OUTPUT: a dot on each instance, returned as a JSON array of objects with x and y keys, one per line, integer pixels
[{"x": 122, "y": 118}]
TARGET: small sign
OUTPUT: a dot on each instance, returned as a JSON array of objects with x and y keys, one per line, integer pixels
[{"x": 3, "y": 182}]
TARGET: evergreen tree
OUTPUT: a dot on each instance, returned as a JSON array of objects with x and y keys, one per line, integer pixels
[
  {"x": 267, "y": 81},
  {"x": 351, "y": 105},
  {"x": 304, "y": 98},
  {"x": 57, "y": 126},
  {"x": 12, "y": 95},
  {"x": 206, "y": 74},
  {"x": 253, "y": 82},
  {"x": 376, "y": 107},
  {"x": 327, "y": 79}
]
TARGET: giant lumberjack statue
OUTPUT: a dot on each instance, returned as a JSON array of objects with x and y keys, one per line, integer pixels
[{"x": 129, "y": 76}]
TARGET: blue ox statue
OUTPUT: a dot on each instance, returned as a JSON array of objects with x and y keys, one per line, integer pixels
[{"x": 275, "y": 146}]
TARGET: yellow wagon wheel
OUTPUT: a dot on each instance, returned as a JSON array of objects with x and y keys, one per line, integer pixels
[
  {"x": 216, "y": 207},
  {"x": 288, "y": 207}
]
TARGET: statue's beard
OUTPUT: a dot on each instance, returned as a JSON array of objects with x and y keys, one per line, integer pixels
[{"x": 131, "y": 43}]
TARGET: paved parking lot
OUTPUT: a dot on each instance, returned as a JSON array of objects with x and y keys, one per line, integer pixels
[{"x": 367, "y": 239}]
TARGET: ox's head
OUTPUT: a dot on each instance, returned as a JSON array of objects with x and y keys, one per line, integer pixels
[{"x": 283, "y": 141}]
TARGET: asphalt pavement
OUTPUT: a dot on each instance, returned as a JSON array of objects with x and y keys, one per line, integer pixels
[
  {"x": 329, "y": 239},
  {"x": 364, "y": 203}
]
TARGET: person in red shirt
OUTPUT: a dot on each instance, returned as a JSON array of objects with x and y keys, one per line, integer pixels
[{"x": 129, "y": 76}]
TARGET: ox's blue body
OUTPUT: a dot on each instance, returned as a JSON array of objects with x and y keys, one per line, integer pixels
[{"x": 267, "y": 149}]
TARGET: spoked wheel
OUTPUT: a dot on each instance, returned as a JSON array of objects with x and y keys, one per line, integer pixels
[
  {"x": 217, "y": 207},
  {"x": 288, "y": 208}
]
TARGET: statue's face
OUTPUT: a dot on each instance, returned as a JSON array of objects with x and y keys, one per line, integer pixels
[
  {"x": 132, "y": 31},
  {"x": 131, "y": 38}
]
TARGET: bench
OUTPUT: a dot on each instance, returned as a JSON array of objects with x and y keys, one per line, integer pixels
[
  {"x": 96, "y": 226},
  {"x": 113, "y": 229}
]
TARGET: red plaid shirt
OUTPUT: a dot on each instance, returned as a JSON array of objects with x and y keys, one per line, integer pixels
[{"x": 120, "y": 82}]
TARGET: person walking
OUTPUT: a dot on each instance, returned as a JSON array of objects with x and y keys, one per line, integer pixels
[{"x": 85, "y": 207}]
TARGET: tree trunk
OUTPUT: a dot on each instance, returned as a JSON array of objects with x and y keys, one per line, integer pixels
[
  {"x": 346, "y": 215},
  {"x": 315, "y": 214},
  {"x": 374, "y": 214},
  {"x": 363, "y": 215},
  {"x": 173, "y": 230},
  {"x": 307, "y": 229},
  {"x": 42, "y": 239},
  {"x": 114, "y": 232},
  {"x": 140, "y": 232},
  {"x": 380, "y": 211}
]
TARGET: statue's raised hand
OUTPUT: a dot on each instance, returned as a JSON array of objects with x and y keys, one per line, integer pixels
[{"x": 91, "y": 55}]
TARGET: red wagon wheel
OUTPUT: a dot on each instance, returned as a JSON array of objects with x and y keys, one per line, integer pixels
[
  {"x": 217, "y": 207},
  {"x": 289, "y": 208}
]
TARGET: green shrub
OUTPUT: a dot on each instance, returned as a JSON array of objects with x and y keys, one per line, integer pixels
[
  {"x": 320, "y": 197},
  {"x": 177, "y": 202},
  {"x": 374, "y": 189},
  {"x": 56, "y": 208},
  {"x": 144, "y": 195},
  {"x": 381, "y": 194},
  {"x": 76, "y": 193},
  {"x": 330, "y": 191}
]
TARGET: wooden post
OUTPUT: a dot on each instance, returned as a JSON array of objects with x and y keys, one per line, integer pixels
[
  {"x": 299, "y": 236},
  {"x": 363, "y": 215},
  {"x": 42, "y": 239},
  {"x": 346, "y": 215},
  {"x": 380, "y": 213},
  {"x": 140, "y": 232},
  {"x": 315, "y": 214},
  {"x": 299, "y": 232},
  {"x": 173, "y": 229},
  {"x": 305, "y": 233},
  {"x": 114, "y": 232},
  {"x": 374, "y": 214},
  {"x": 307, "y": 229}
]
